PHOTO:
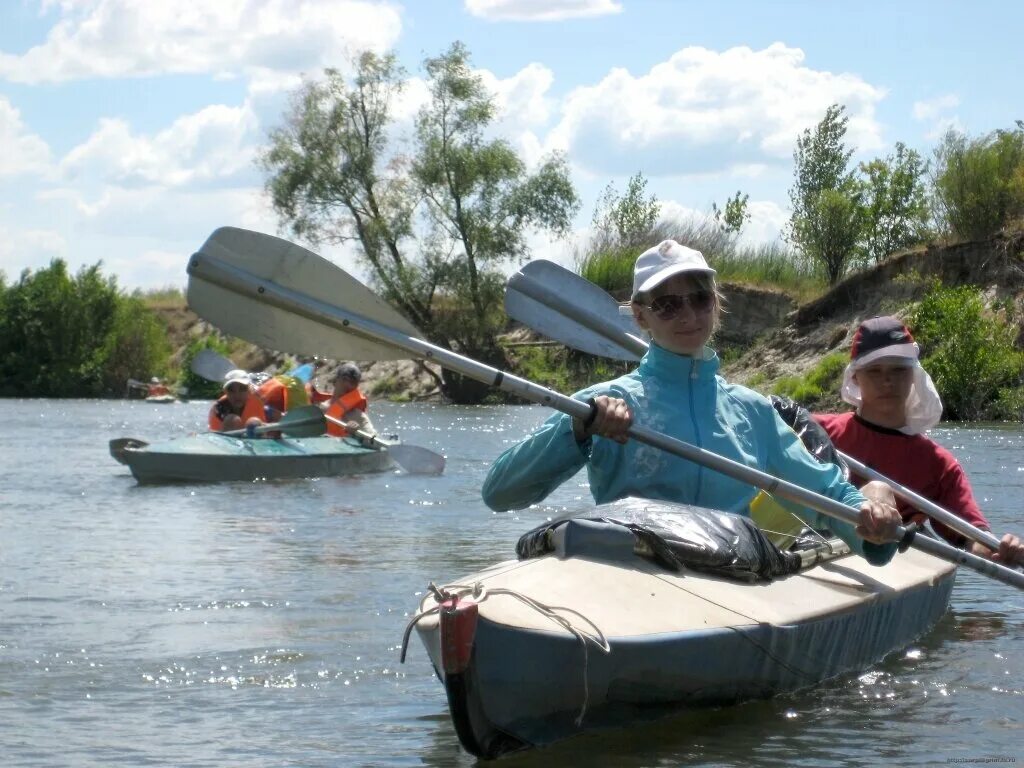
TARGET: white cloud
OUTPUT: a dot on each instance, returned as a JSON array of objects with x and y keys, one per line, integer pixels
[
  {"x": 703, "y": 111},
  {"x": 139, "y": 38},
  {"x": 212, "y": 145},
  {"x": 540, "y": 10},
  {"x": 932, "y": 108},
  {"x": 28, "y": 249},
  {"x": 23, "y": 152}
]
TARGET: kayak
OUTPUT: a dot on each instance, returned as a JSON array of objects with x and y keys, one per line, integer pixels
[
  {"x": 592, "y": 632},
  {"x": 214, "y": 457},
  {"x": 161, "y": 399}
]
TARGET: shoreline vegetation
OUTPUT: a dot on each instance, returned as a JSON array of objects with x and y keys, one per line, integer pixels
[{"x": 939, "y": 242}]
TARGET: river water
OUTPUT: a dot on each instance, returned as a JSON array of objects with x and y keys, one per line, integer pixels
[{"x": 259, "y": 624}]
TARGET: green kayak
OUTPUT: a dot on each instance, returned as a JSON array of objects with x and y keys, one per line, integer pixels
[{"x": 210, "y": 457}]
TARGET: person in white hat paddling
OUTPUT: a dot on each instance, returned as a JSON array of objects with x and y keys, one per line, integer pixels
[
  {"x": 676, "y": 390},
  {"x": 239, "y": 406},
  {"x": 896, "y": 402}
]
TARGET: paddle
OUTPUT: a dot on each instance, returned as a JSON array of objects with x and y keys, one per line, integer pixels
[
  {"x": 543, "y": 295},
  {"x": 413, "y": 459},
  {"x": 277, "y": 294},
  {"x": 307, "y": 421},
  {"x": 213, "y": 366}
]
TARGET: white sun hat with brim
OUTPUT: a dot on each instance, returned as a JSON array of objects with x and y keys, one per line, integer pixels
[
  {"x": 886, "y": 339},
  {"x": 237, "y": 376},
  {"x": 668, "y": 258}
]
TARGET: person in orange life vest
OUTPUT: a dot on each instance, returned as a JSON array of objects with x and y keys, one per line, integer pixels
[
  {"x": 896, "y": 402},
  {"x": 239, "y": 407},
  {"x": 157, "y": 388},
  {"x": 281, "y": 393},
  {"x": 347, "y": 403}
]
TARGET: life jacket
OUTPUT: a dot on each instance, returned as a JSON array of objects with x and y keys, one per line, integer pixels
[
  {"x": 253, "y": 409},
  {"x": 158, "y": 390},
  {"x": 315, "y": 395},
  {"x": 283, "y": 392},
  {"x": 338, "y": 408}
]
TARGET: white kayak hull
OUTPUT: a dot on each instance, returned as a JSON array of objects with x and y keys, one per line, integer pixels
[{"x": 676, "y": 640}]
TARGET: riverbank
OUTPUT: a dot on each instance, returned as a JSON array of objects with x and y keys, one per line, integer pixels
[{"x": 767, "y": 339}]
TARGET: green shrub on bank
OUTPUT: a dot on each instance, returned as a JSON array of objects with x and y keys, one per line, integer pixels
[
  {"x": 979, "y": 182},
  {"x": 64, "y": 335},
  {"x": 823, "y": 380},
  {"x": 969, "y": 352}
]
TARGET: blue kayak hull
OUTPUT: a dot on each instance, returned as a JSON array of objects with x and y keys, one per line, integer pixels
[{"x": 212, "y": 457}]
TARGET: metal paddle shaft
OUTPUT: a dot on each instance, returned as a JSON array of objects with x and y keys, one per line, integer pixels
[
  {"x": 213, "y": 278},
  {"x": 414, "y": 459},
  {"x": 307, "y": 421},
  {"x": 562, "y": 319}
]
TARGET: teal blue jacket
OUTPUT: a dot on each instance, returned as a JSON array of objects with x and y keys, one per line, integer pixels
[{"x": 683, "y": 397}]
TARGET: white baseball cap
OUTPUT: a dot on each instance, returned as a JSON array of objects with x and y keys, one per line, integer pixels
[
  {"x": 656, "y": 265},
  {"x": 237, "y": 376}
]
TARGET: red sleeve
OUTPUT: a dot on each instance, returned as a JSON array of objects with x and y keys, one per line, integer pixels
[{"x": 955, "y": 494}]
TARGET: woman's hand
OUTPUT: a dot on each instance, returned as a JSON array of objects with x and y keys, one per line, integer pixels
[
  {"x": 612, "y": 419},
  {"x": 878, "y": 522}
]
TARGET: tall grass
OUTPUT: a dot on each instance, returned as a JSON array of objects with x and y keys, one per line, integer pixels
[{"x": 609, "y": 264}]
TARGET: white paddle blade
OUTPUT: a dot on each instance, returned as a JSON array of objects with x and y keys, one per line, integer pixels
[
  {"x": 293, "y": 267},
  {"x": 565, "y": 307},
  {"x": 416, "y": 460},
  {"x": 211, "y": 365}
]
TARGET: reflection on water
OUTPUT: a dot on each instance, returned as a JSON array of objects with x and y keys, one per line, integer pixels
[{"x": 259, "y": 624}]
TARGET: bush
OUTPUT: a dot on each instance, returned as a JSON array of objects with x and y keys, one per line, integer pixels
[
  {"x": 824, "y": 379},
  {"x": 968, "y": 351},
  {"x": 979, "y": 183}
]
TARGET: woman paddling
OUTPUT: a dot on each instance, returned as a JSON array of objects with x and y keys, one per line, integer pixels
[
  {"x": 676, "y": 390},
  {"x": 895, "y": 403}
]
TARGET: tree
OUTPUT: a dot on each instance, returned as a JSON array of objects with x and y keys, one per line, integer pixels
[
  {"x": 734, "y": 216},
  {"x": 823, "y": 186},
  {"x": 625, "y": 220},
  {"x": 894, "y": 201},
  {"x": 830, "y": 231},
  {"x": 433, "y": 224}
]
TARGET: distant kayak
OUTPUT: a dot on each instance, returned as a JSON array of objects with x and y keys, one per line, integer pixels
[
  {"x": 210, "y": 457},
  {"x": 161, "y": 399}
]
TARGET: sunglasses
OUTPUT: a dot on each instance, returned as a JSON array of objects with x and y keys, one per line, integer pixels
[
  {"x": 668, "y": 306},
  {"x": 237, "y": 388}
]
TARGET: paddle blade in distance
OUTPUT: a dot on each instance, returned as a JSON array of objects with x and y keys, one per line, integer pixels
[
  {"x": 211, "y": 365},
  {"x": 285, "y": 264}
]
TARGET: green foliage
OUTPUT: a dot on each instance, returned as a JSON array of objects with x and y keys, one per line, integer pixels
[
  {"x": 135, "y": 346},
  {"x": 824, "y": 379},
  {"x": 979, "y": 183},
  {"x": 894, "y": 202},
  {"x": 74, "y": 336},
  {"x": 735, "y": 214},
  {"x": 968, "y": 351},
  {"x": 826, "y": 220},
  {"x": 624, "y": 220},
  {"x": 770, "y": 264},
  {"x": 434, "y": 224},
  {"x": 563, "y": 369}
]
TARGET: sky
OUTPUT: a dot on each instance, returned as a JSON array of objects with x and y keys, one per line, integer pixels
[{"x": 130, "y": 129}]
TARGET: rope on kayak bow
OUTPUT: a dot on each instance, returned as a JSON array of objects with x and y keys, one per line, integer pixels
[{"x": 479, "y": 593}]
